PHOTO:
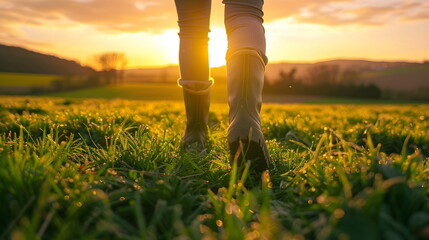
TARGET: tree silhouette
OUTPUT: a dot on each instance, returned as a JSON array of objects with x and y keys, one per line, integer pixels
[
  {"x": 323, "y": 80},
  {"x": 111, "y": 65}
]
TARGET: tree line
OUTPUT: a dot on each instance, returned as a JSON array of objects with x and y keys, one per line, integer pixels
[{"x": 322, "y": 80}]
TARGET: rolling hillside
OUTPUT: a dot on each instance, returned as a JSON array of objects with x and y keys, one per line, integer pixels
[
  {"x": 20, "y": 60},
  {"x": 408, "y": 79},
  {"x": 404, "y": 78}
]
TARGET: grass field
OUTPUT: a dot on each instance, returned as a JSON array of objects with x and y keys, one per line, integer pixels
[
  {"x": 147, "y": 92},
  {"x": 114, "y": 169},
  {"x": 26, "y": 80}
]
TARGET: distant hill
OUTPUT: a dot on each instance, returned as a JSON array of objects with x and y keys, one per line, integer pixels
[
  {"x": 20, "y": 60},
  {"x": 410, "y": 78}
]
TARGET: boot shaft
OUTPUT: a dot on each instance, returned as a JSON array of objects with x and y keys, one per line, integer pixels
[
  {"x": 245, "y": 78},
  {"x": 196, "y": 95},
  {"x": 245, "y": 69}
]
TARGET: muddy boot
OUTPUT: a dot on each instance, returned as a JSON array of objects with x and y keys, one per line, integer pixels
[
  {"x": 245, "y": 73},
  {"x": 196, "y": 95}
]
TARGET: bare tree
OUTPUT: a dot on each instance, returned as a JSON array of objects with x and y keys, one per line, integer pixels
[{"x": 111, "y": 65}]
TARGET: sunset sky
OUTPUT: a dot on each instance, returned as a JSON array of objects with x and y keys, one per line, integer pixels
[{"x": 146, "y": 30}]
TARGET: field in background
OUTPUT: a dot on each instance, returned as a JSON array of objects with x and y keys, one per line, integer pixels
[
  {"x": 149, "y": 92},
  {"x": 396, "y": 71},
  {"x": 114, "y": 169},
  {"x": 34, "y": 84},
  {"x": 26, "y": 80}
]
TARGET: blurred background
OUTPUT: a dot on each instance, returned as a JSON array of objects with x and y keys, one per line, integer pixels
[{"x": 319, "y": 50}]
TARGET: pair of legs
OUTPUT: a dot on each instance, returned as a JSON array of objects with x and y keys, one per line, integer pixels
[{"x": 245, "y": 75}]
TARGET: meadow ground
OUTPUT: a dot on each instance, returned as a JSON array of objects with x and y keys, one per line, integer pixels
[{"x": 114, "y": 169}]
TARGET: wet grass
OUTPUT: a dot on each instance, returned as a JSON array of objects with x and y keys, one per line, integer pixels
[{"x": 113, "y": 169}]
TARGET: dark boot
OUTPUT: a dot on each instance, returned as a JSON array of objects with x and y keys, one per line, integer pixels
[
  {"x": 196, "y": 95},
  {"x": 245, "y": 73}
]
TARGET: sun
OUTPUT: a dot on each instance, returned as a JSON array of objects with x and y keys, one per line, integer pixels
[{"x": 217, "y": 47}]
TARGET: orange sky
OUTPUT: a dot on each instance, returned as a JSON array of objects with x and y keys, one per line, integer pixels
[{"x": 146, "y": 30}]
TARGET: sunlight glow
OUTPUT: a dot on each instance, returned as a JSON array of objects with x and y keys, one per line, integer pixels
[
  {"x": 218, "y": 45},
  {"x": 171, "y": 43},
  {"x": 287, "y": 40},
  {"x": 146, "y": 30}
]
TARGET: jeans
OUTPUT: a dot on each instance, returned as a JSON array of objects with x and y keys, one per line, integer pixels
[{"x": 243, "y": 24}]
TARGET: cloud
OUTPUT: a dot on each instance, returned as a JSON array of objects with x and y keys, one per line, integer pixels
[
  {"x": 421, "y": 13},
  {"x": 363, "y": 12},
  {"x": 154, "y": 16},
  {"x": 275, "y": 9},
  {"x": 106, "y": 15}
]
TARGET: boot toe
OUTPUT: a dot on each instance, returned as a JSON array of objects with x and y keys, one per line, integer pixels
[
  {"x": 195, "y": 139},
  {"x": 248, "y": 150}
]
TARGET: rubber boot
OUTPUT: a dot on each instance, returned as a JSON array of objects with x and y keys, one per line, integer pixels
[
  {"x": 196, "y": 95},
  {"x": 245, "y": 76}
]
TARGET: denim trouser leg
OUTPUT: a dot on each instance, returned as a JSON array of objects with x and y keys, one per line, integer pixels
[
  {"x": 243, "y": 23},
  {"x": 194, "y": 20}
]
